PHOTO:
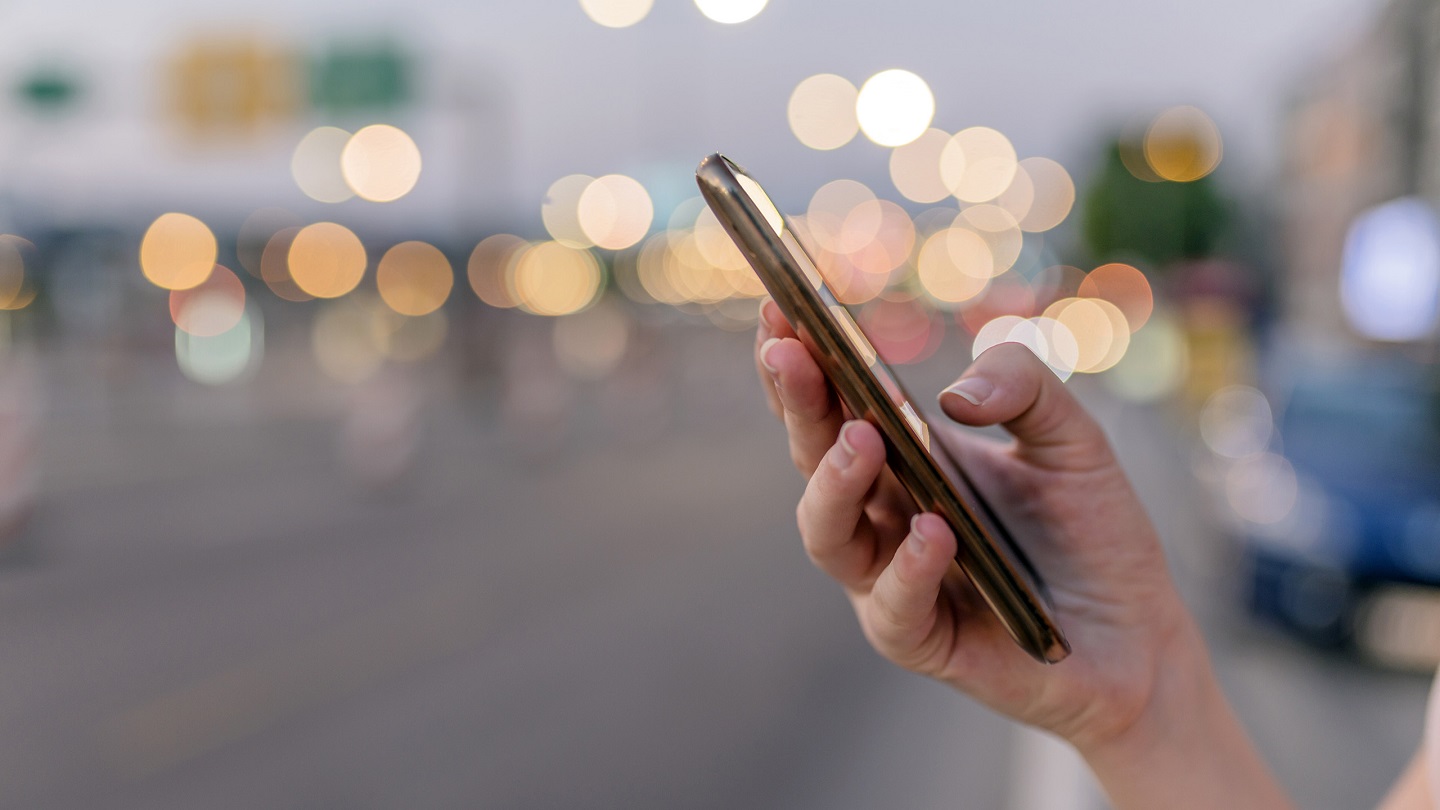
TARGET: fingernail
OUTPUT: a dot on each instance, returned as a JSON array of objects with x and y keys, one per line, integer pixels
[
  {"x": 848, "y": 450},
  {"x": 974, "y": 390},
  {"x": 917, "y": 538},
  {"x": 765, "y": 354},
  {"x": 764, "y": 314}
]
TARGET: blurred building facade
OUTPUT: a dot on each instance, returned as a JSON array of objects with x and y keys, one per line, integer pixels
[{"x": 1364, "y": 128}]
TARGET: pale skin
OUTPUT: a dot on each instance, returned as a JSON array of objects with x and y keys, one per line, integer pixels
[{"x": 1137, "y": 698}]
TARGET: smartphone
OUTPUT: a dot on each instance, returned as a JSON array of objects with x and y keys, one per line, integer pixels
[{"x": 986, "y": 552}]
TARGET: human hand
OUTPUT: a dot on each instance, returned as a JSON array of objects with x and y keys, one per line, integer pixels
[{"x": 1060, "y": 491}]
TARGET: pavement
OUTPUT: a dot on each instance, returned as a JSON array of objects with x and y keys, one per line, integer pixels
[{"x": 595, "y": 604}]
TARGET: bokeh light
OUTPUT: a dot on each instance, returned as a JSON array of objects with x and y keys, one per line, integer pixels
[
  {"x": 822, "y": 111},
  {"x": 211, "y": 308},
  {"x": 381, "y": 163},
  {"x": 879, "y": 237},
  {"x": 954, "y": 266},
  {"x": 994, "y": 332},
  {"x": 1132, "y": 151},
  {"x": 1052, "y": 194},
  {"x": 730, "y": 12},
  {"x": 222, "y": 358},
  {"x": 1060, "y": 349},
  {"x": 414, "y": 278},
  {"x": 999, "y": 230},
  {"x": 1019, "y": 197},
  {"x": 915, "y": 167},
  {"x": 15, "y": 293},
  {"x": 831, "y": 206},
  {"x": 1009, "y": 294},
  {"x": 255, "y": 234},
  {"x": 1057, "y": 281},
  {"x": 850, "y": 284},
  {"x": 1046, "y": 338},
  {"x": 718, "y": 250},
  {"x": 315, "y": 165},
  {"x": 560, "y": 211},
  {"x": 690, "y": 275},
  {"x": 1100, "y": 331},
  {"x": 275, "y": 266},
  {"x": 12, "y": 273},
  {"x": 978, "y": 164},
  {"x": 1156, "y": 363},
  {"x": 614, "y": 212},
  {"x": 894, "y": 107},
  {"x": 488, "y": 266},
  {"x": 1262, "y": 488},
  {"x": 177, "y": 252},
  {"x": 1182, "y": 144},
  {"x": 901, "y": 331},
  {"x": 1390, "y": 271},
  {"x": 1125, "y": 287},
  {"x": 616, "y": 13},
  {"x": 326, "y": 260},
  {"x": 551, "y": 278},
  {"x": 686, "y": 213},
  {"x": 650, "y": 271},
  {"x": 1236, "y": 422}
]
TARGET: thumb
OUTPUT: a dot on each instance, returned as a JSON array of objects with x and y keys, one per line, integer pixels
[{"x": 1010, "y": 386}]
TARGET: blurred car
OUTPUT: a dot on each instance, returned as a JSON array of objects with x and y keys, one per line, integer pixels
[{"x": 1337, "y": 506}]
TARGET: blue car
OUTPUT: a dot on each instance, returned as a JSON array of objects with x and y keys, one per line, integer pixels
[{"x": 1340, "y": 513}]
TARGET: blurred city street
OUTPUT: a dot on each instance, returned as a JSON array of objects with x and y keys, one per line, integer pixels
[
  {"x": 210, "y": 612},
  {"x": 378, "y": 415}
]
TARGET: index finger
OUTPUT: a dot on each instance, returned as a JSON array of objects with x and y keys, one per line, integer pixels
[
  {"x": 772, "y": 324},
  {"x": 812, "y": 411}
]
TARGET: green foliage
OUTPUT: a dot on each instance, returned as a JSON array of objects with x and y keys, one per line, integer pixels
[{"x": 1124, "y": 217}]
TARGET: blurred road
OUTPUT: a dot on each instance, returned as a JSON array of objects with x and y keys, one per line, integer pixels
[{"x": 602, "y": 605}]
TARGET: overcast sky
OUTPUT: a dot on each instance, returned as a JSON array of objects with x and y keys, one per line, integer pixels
[{"x": 652, "y": 99}]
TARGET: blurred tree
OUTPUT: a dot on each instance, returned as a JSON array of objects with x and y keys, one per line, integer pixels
[{"x": 1162, "y": 222}]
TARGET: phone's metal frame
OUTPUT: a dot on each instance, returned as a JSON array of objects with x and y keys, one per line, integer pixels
[{"x": 985, "y": 552}]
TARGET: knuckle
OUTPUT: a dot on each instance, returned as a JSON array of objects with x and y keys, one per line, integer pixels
[
  {"x": 811, "y": 538},
  {"x": 888, "y": 636},
  {"x": 888, "y": 619},
  {"x": 802, "y": 520},
  {"x": 898, "y": 638},
  {"x": 798, "y": 458}
]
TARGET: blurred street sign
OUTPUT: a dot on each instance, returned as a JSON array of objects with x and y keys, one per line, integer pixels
[
  {"x": 229, "y": 86},
  {"x": 353, "y": 76},
  {"x": 49, "y": 89}
]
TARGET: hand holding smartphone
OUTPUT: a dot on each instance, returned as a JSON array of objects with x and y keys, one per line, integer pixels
[{"x": 996, "y": 566}]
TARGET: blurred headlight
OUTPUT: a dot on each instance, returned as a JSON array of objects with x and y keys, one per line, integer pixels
[{"x": 1400, "y": 626}]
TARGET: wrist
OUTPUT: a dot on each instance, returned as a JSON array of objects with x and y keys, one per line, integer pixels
[
  {"x": 1181, "y": 683},
  {"x": 1186, "y": 747}
]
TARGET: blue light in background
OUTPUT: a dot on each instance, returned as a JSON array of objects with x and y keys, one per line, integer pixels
[{"x": 1390, "y": 276}]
